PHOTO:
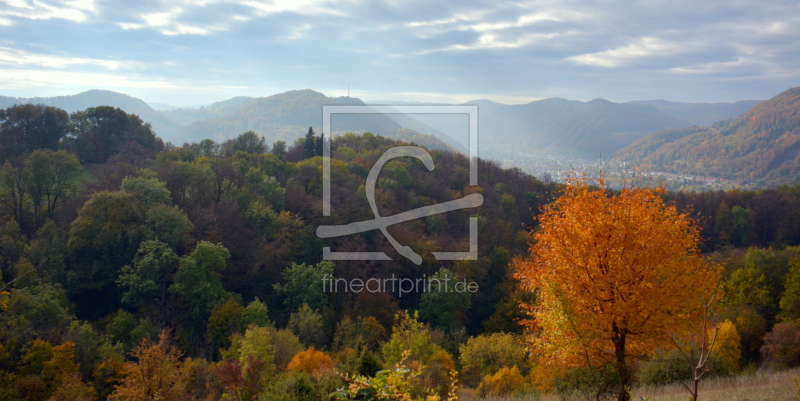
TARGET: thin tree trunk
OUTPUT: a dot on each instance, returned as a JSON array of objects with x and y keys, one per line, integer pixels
[{"x": 622, "y": 367}]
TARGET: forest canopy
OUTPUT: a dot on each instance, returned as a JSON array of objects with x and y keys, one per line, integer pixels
[{"x": 119, "y": 251}]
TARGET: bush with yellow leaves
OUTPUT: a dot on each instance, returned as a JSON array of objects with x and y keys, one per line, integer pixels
[{"x": 506, "y": 381}]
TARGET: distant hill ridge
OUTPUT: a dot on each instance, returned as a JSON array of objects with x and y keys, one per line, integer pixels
[
  {"x": 553, "y": 126},
  {"x": 760, "y": 147},
  {"x": 701, "y": 113},
  {"x": 162, "y": 125}
]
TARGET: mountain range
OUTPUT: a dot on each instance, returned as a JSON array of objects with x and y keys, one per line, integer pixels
[{"x": 554, "y": 126}]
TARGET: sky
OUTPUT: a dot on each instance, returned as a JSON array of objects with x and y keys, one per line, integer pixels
[{"x": 187, "y": 53}]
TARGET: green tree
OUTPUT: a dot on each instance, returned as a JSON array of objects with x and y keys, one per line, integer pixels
[
  {"x": 250, "y": 142},
  {"x": 279, "y": 148},
  {"x": 310, "y": 144},
  {"x": 38, "y": 311},
  {"x": 225, "y": 320},
  {"x": 150, "y": 191},
  {"x": 748, "y": 287},
  {"x": 52, "y": 179},
  {"x": 308, "y": 326},
  {"x": 168, "y": 224},
  {"x": 208, "y": 148},
  {"x": 303, "y": 284},
  {"x": 790, "y": 299},
  {"x": 27, "y": 127},
  {"x": 319, "y": 145},
  {"x": 125, "y": 329},
  {"x": 256, "y": 314},
  {"x": 257, "y": 343},
  {"x": 14, "y": 177},
  {"x": 105, "y": 236},
  {"x": 197, "y": 286},
  {"x": 99, "y": 131},
  {"x": 144, "y": 282},
  {"x": 443, "y": 305}
]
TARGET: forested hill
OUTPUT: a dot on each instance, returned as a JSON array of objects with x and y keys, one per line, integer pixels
[
  {"x": 760, "y": 147},
  {"x": 186, "y": 116},
  {"x": 165, "y": 127}
]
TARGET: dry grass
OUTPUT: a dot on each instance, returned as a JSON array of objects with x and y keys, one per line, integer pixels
[{"x": 775, "y": 386}]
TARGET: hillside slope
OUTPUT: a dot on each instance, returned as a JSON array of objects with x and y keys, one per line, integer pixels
[
  {"x": 186, "y": 116},
  {"x": 603, "y": 126},
  {"x": 287, "y": 116},
  {"x": 760, "y": 147},
  {"x": 701, "y": 113}
]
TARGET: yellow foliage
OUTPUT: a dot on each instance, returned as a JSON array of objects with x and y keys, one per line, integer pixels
[
  {"x": 728, "y": 346},
  {"x": 485, "y": 354},
  {"x": 611, "y": 273},
  {"x": 72, "y": 388},
  {"x": 311, "y": 361},
  {"x": 4, "y": 300},
  {"x": 504, "y": 382},
  {"x": 61, "y": 364}
]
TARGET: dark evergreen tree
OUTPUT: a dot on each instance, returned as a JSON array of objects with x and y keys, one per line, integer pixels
[
  {"x": 320, "y": 144},
  {"x": 310, "y": 144}
]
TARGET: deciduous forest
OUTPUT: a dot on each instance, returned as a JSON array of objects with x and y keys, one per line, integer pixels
[{"x": 135, "y": 269}]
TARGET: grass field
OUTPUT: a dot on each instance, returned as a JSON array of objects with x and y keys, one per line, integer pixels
[{"x": 775, "y": 386}]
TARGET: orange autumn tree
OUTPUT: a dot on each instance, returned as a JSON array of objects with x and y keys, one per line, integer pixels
[
  {"x": 155, "y": 375},
  {"x": 615, "y": 276}
]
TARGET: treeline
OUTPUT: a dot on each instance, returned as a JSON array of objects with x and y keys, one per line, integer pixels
[{"x": 119, "y": 251}]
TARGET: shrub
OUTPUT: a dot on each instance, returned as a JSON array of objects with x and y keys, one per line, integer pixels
[
  {"x": 404, "y": 382},
  {"x": 504, "y": 382},
  {"x": 782, "y": 345},
  {"x": 596, "y": 383},
  {"x": 486, "y": 354},
  {"x": 666, "y": 367}
]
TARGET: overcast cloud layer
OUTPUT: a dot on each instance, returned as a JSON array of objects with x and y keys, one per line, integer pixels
[{"x": 193, "y": 52}]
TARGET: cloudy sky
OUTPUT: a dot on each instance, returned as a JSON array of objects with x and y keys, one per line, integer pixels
[{"x": 185, "y": 52}]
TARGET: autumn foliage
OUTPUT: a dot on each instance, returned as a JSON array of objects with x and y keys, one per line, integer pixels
[
  {"x": 155, "y": 375},
  {"x": 615, "y": 276},
  {"x": 311, "y": 361}
]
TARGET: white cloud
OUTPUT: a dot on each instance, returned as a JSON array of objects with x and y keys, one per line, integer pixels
[
  {"x": 305, "y": 7},
  {"x": 494, "y": 41},
  {"x": 76, "y": 10},
  {"x": 167, "y": 22},
  {"x": 174, "y": 18},
  {"x": 15, "y": 57},
  {"x": 644, "y": 47},
  {"x": 561, "y": 15}
]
